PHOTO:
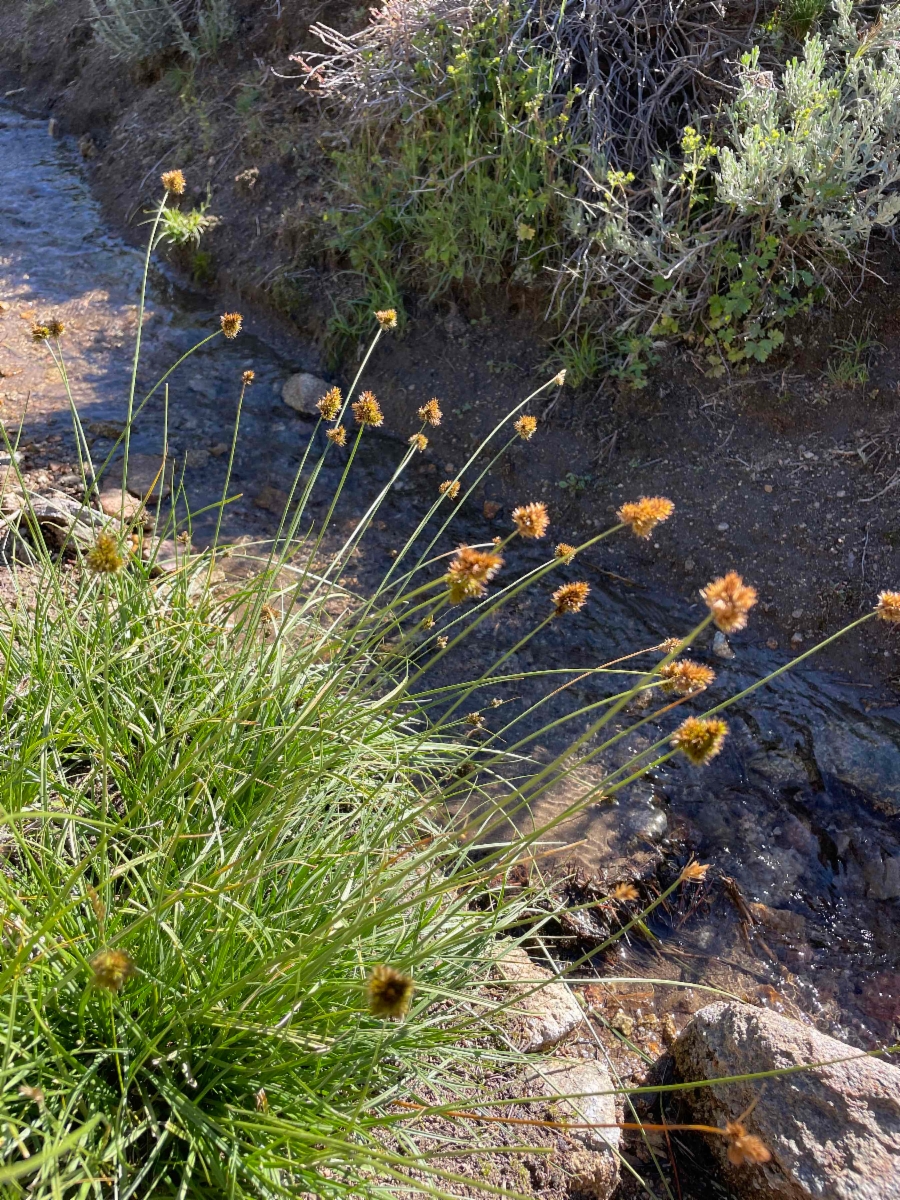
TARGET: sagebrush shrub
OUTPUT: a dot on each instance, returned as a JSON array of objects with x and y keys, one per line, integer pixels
[
  {"x": 139, "y": 29},
  {"x": 498, "y": 161}
]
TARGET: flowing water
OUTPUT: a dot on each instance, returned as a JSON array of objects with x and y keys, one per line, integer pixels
[{"x": 799, "y": 814}]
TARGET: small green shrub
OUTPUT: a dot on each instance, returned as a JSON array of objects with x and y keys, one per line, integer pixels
[{"x": 185, "y": 227}]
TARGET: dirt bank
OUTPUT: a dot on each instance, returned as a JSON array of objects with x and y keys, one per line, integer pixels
[{"x": 789, "y": 474}]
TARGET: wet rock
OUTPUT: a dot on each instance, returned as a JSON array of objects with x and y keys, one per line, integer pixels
[
  {"x": 113, "y": 504},
  {"x": 271, "y": 499},
  {"x": 864, "y": 759},
  {"x": 594, "y": 1166},
  {"x": 148, "y": 476},
  {"x": 538, "y": 1019},
  {"x": 833, "y": 1133},
  {"x": 721, "y": 646},
  {"x": 302, "y": 392}
]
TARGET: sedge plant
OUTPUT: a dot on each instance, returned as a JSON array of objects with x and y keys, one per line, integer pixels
[{"x": 248, "y": 904}]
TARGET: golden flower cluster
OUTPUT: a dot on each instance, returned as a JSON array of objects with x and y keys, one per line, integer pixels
[
  {"x": 564, "y": 551},
  {"x": 624, "y": 891},
  {"x": 231, "y": 324},
  {"x": 56, "y": 328},
  {"x": 531, "y": 520},
  {"x": 248, "y": 377},
  {"x": 390, "y": 992},
  {"x": 367, "y": 410},
  {"x": 418, "y": 441},
  {"x": 337, "y": 435},
  {"x": 694, "y": 872},
  {"x": 104, "y": 557},
  {"x": 330, "y": 404},
  {"x": 643, "y": 515},
  {"x": 469, "y": 573},
  {"x": 450, "y": 487},
  {"x": 40, "y": 333},
  {"x": 387, "y": 318},
  {"x": 686, "y": 677},
  {"x": 431, "y": 413},
  {"x": 570, "y": 598},
  {"x": 744, "y": 1147},
  {"x": 525, "y": 427},
  {"x": 729, "y": 600},
  {"x": 174, "y": 182},
  {"x": 700, "y": 738},
  {"x": 111, "y": 969},
  {"x": 888, "y": 607}
]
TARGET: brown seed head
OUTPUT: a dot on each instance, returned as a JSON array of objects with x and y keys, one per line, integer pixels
[
  {"x": 34, "y": 1094},
  {"x": 560, "y": 378},
  {"x": 475, "y": 719},
  {"x": 40, "y": 333},
  {"x": 744, "y": 1147},
  {"x": 525, "y": 427},
  {"x": 262, "y": 1101},
  {"x": 565, "y": 551},
  {"x": 56, "y": 328},
  {"x": 338, "y": 435},
  {"x": 330, "y": 404},
  {"x": 418, "y": 441},
  {"x": 431, "y": 413},
  {"x": 387, "y": 318},
  {"x": 570, "y": 598},
  {"x": 686, "y": 677},
  {"x": 645, "y": 514},
  {"x": 669, "y": 645},
  {"x": 625, "y": 891},
  {"x": 450, "y": 487},
  {"x": 888, "y": 607},
  {"x": 111, "y": 969},
  {"x": 469, "y": 573},
  {"x": 174, "y": 182},
  {"x": 694, "y": 872},
  {"x": 231, "y": 324},
  {"x": 442, "y": 642},
  {"x": 104, "y": 557},
  {"x": 247, "y": 378},
  {"x": 700, "y": 738},
  {"x": 427, "y": 622},
  {"x": 531, "y": 520},
  {"x": 367, "y": 410},
  {"x": 96, "y": 904},
  {"x": 729, "y": 600},
  {"x": 390, "y": 992}
]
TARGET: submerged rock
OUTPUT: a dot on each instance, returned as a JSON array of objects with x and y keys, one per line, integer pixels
[{"x": 833, "y": 1132}]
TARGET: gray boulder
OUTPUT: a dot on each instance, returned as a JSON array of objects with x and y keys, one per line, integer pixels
[
  {"x": 302, "y": 392},
  {"x": 833, "y": 1132}
]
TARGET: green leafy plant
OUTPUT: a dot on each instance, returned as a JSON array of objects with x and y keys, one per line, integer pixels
[
  {"x": 850, "y": 368},
  {"x": 185, "y": 227}
]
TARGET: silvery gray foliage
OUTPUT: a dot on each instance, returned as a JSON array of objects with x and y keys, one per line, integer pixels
[
  {"x": 136, "y": 29},
  {"x": 809, "y": 158}
]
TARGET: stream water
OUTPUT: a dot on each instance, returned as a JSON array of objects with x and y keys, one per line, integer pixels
[{"x": 799, "y": 815}]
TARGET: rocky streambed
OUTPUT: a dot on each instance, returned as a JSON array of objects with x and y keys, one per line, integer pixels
[{"x": 799, "y": 817}]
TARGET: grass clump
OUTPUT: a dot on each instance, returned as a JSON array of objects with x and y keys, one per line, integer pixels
[
  {"x": 254, "y": 852},
  {"x": 551, "y": 147}
]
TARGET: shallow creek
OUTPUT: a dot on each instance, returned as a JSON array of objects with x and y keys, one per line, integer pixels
[{"x": 801, "y": 813}]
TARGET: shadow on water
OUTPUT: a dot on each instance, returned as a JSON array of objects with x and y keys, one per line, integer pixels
[{"x": 799, "y": 815}]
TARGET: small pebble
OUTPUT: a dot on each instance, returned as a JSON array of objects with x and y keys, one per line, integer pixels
[
  {"x": 768, "y": 488},
  {"x": 721, "y": 528}
]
